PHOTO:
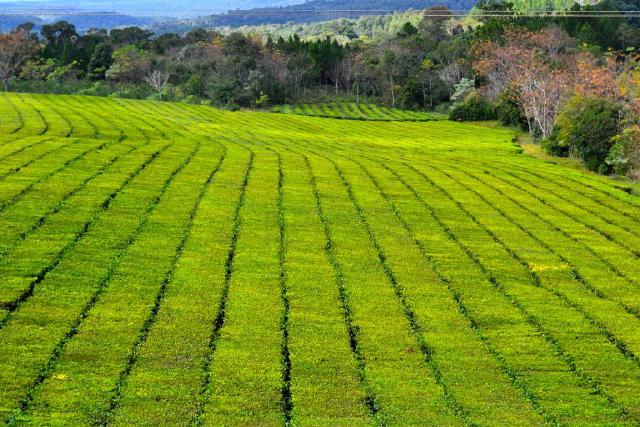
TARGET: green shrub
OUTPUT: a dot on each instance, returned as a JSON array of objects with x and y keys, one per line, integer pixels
[
  {"x": 98, "y": 88},
  {"x": 191, "y": 99},
  {"x": 474, "y": 107},
  {"x": 585, "y": 128},
  {"x": 554, "y": 145},
  {"x": 132, "y": 92},
  {"x": 624, "y": 156},
  {"x": 510, "y": 115},
  {"x": 443, "y": 108}
]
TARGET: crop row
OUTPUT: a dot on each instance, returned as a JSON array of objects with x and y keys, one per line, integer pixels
[
  {"x": 180, "y": 264},
  {"x": 356, "y": 111}
]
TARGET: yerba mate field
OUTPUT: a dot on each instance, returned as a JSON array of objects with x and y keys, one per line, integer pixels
[
  {"x": 354, "y": 111},
  {"x": 169, "y": 264}
]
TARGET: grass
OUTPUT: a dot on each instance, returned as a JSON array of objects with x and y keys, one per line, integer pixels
[
  {"x": 175, "y": 264},
  {"x": 357, "y": 111}
]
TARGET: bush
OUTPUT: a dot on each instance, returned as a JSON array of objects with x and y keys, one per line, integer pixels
[
  {"x": 624, "y": 156},
  {"x": 474, "y": 107},
  {"x": 70, "y": 86},
  {"x": 510, "y": 115},
  {"x": 554, "y": 145},
  {"x": 443, "y": 108},
  {"x": 191, "y": 99},
  {"x": 96, "y": 89},
  {"x": 132, "y": 92},
  {"x": 585, "y": 128}
]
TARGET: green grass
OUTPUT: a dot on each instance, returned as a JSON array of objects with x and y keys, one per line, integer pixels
[
  {"x": 170, "y": 264},
  {"x": 357, "y": 111}
]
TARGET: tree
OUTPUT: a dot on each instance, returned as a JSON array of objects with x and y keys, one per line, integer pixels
[
  {"x": 427, "y": 67},
  {"x": 624, "y": 156},
  {"x": 349, "y": 66},
  {"x": 277, "y": 74},
  {"x": 130, "y": 65},
  {"x": 540, "y": 93},
  {"x": 586, "y": 127},
  {"x": 434, "y": 23},
  {"x": 335, "y": 73},
  {"x": 462, "y": 89},
  {"x": 407, "y": 30},
  {"x": 130, "y": 35},
  {"x": 60, "y": 38},
  {"x": 28, "y": 28},
  {"x": 100, "y": 61},
  {"x": 15, "y": 48},
  {"x": 157, "y": 80},
  {"x": 534, "y": 68},
  {"x": 300, "y": 66},
  {"x": 389, "y": 62},
  {"x": 598, "y": 79},
  {"x": 451, "y": 74},
  {"x": 359, "y": 75}
]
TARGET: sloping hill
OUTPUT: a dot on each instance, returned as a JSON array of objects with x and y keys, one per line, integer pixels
[
  {"x": 319, "y": 10},
  {"x": 164, "y": 8},
  {"x": 170, "y": 264}
]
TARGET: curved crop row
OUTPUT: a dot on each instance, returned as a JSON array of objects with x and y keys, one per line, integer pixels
[
  {"x": 166, "y": 263},
  {"x": 357, "y": 111}
]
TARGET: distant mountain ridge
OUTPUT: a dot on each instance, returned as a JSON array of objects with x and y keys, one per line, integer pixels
[
  {"x": 85, "y": 14},
  {"x": 317, "y": 11},
  {"x": 145, "y": 8},
  {"x": 11, "y": 17}
]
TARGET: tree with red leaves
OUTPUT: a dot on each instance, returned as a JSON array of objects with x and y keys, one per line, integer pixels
[
  {"x": 534, "y": 67},
  {"x": 15, "y": 48}
]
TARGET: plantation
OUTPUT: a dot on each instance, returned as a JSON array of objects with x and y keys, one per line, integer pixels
[
  {"x": 166, "y": 263},
  {"x": 357, "y": 111}
]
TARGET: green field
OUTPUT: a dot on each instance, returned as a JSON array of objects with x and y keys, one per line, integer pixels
[
  {"x": 357, "y": 111},
  {"x": 170, "y": 264}
]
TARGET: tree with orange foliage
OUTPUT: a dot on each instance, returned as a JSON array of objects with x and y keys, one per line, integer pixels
[
  {"x": 534, "y": 66},
  {"x": 15, "y": 48},
  {"x": 601, "y": 80}
]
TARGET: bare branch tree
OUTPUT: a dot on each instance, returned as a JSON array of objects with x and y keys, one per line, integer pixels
[
  {"x": 451, "y": 74},
  {"x": 157, "y": 80},
  {"x": 528, "y": 63},
  {"x": 541, "y": 92}
]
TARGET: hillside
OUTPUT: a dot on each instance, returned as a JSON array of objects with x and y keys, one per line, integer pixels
[
  {"x": 374, "y": 27},
  {"x": 86, "y": 14},
  {"x": 165, "y": 263},
  {"x": 316, "y": 11}
]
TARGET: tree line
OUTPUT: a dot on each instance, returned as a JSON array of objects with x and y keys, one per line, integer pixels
[{"x": 236, "y": 70}]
